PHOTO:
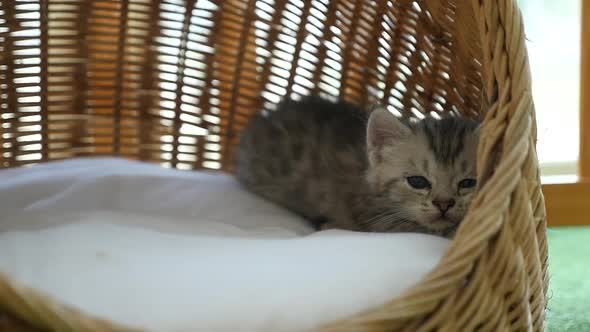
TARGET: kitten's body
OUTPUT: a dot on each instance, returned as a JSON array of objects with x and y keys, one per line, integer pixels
[{"x": 329, "y": 163}]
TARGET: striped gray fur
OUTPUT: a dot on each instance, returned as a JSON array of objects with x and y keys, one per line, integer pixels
[
  {"x": 446, "y": 136},
  {"x": 338, "y": 165}
]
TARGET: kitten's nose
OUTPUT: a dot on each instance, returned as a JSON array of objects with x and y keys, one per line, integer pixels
[{"x": 444, "y": 205}]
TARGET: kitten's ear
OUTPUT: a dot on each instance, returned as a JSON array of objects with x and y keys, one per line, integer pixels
[{"x": 384, "y": 127}]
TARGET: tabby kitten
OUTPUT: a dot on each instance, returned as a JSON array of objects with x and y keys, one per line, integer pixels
[{"x": 341, "y": 167}]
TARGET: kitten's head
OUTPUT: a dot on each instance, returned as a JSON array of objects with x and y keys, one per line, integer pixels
[{"x": 425, "y": 171}]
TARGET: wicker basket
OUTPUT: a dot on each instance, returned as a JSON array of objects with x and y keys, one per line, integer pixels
[{"x": 174, "y": 82}]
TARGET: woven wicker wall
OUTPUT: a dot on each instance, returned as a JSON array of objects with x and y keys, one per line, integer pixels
[{"x": 174, "y": 81}]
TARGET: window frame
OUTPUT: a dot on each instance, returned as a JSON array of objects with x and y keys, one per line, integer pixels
[{"x": 568, "y": 203}]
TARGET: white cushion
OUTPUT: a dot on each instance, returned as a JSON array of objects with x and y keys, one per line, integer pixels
[{"x": 171, "y": 250}]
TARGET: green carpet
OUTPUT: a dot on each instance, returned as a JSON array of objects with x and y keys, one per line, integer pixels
[{"x": 569, "y": 290}]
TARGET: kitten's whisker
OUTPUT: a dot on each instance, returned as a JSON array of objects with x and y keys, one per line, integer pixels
[
  {"x": 394, "y": 225},
  {"x": 380, "y": 216},
  {"x": 390, "y": 222},
  {"x": 385, "y": 218}
]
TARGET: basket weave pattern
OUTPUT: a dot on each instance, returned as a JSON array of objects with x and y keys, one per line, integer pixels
[{"x": 175, "y": 81}]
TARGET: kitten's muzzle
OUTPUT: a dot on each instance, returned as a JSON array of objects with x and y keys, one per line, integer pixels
[{"x": 444, "y": 205}]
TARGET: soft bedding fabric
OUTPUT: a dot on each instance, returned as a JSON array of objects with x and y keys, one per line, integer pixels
[{"x": 171, "y": 250}]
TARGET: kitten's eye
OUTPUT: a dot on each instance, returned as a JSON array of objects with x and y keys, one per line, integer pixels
[
  {"x": 467, "y": 183},
  {"x": 418, "y": 182}
]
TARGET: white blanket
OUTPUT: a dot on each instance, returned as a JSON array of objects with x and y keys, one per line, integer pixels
[{"x": 170, "y": 250}]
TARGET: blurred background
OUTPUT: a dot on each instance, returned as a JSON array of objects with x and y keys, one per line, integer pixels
[{"x": 553, "y": 30}]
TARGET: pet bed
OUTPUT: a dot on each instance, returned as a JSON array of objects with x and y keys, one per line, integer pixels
[{"x": 175, "y": 81}]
